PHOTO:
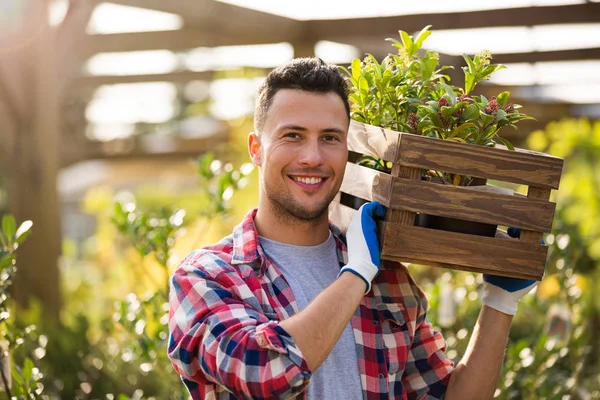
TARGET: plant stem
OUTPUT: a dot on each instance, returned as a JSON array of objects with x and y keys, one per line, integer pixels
[{"x": 4, "y": 380}]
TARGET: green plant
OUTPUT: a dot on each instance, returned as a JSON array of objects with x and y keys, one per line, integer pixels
[
  {"x": 23, "y": 379},
  {"x": 408, "y": 92}
]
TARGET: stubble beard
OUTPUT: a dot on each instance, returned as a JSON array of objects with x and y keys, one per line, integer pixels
[{"x": 287, "y": 210}]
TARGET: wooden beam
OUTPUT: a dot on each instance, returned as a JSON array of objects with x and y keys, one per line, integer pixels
[
  {"x": 344, "y": 29},
  {"x": 68, "y": 38},
  {"x": 135, "y": 148},
  {"x": 179, "y": 40},
  {"x": 86, "y": 82},
  {"x": 381, "y": 49},
  {"x": 209, "y": 16},
  {"x": 34, "y": 166},
  {"x": 92, "y": 82},
  {"x": 546, "y": 56}
]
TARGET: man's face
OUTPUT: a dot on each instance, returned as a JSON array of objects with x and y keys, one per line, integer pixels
[{"x": 302, "y": 152}]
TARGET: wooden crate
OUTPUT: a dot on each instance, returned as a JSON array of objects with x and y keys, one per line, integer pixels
[{"x": 404, "y": 194}]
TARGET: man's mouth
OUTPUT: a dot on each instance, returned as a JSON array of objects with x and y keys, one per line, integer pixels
[{"x": 309, "y": 182}]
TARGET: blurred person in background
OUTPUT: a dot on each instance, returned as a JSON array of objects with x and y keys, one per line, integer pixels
[{"x": 287, "y": 306}]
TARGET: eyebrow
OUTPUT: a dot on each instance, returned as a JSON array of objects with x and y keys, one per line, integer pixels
[{"x": 292, "y": 127}]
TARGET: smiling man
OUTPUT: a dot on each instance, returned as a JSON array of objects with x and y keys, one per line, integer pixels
[{"x": 286, "y": 306}]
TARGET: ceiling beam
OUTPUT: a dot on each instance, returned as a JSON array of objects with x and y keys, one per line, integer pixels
[
  {"x": 344, "y": 29},
  {"x": 210, "y": 15},
  {"x": 86, "y": 83},
  {"x": 546, "y": 56},
  {"x": 180, "y": 40}
]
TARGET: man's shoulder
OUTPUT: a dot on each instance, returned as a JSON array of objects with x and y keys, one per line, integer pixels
[{"x": 210, "y": 259}]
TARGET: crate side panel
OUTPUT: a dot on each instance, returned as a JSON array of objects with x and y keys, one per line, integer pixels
[
  {"x": 473, "y": 205},
  {"x": 367, "y": 183},
  {"x": 374, "y": 141},
  {"x": 483, "y": 162},
  {"x": 501, "y": 256},
  {"x": 522, "y": 274},
  {"x": 340, "y": 214}
]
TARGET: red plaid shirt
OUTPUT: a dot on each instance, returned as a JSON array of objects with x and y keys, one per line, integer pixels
[{"x": 226, "y": 342}]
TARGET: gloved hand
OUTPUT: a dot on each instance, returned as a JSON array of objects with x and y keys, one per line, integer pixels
[
  {"x": 363, "y": 245},
  {"x": 503, "y": 293}
]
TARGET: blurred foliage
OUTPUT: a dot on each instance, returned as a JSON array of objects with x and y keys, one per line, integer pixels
[
  {"x": 554, "y": 350},
  {"x": 19, "y": 376}
]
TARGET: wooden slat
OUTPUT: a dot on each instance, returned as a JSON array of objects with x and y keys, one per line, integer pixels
[
  {"x": 502, "y": 257},
  {"x": 472, "y": 205},
  {"x": 367, "y": 183},
  {"x": 483, "y": 162},
  {"x": 535, "y": 193},
  {"x": 374, "y": 141},
  {"x": 340, "y": 214},
  {"x": 525, "y": 274},
  {"x": 403, "y": 217}
]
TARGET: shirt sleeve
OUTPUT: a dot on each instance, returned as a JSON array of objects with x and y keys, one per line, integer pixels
[
  {"x": 428, "y": 370},
  {"x": 217, "y": 337}
]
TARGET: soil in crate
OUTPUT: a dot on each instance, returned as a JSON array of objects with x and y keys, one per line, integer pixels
[
  {"x": 455, "y": 225},
  {"x": 436, "y": 222}
]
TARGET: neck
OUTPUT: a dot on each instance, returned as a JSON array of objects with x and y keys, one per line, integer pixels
[{"x": 291, "y": 230}]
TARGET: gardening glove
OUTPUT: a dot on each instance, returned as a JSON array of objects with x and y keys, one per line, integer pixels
[
  {"x": 363, "y": 245},
  {"x": 503, "y": 293}
]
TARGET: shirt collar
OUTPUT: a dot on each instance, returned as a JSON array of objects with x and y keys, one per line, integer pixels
[{"x": 246, "y": 244}]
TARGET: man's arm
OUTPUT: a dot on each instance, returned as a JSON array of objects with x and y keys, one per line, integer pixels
[
  {"x": 216, "y": 337},
  {"x": 317, "y": 328},
  {"x": 476, "y": 375}
]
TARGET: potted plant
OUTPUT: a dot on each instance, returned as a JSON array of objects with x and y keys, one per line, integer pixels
[
  {"x": 408, "y": 92},
  {"x": 423, "y": 147}
]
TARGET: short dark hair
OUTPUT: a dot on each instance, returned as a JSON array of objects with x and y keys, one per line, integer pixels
[{"x": 308, "y": 74}]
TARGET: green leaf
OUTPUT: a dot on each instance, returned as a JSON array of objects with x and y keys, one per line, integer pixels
[
  {"x": 450, "y": 92},
  {"x": 17, "y": 377},
  {"x": 506, "y": 143},
  {"x": 424, "y": 34},
  {"x": 9, "y": 227},
  {"x": 447, "y": 112},
  {"x": 470, "y": 63},
  {"x": 356, "y": 68},
  {"x": 28, "y": 370},
  {"x": 461, "y": 128},
  {"x": 407, "y": 41},
  {"x": 6, "y": 261},
  {"x": 501, "y": 114},
  {"x": 502, "y": 99},
  {"x": 23, "y": 232},
  {"x": 469, "y": 82}
]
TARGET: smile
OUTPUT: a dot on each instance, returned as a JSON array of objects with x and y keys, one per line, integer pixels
[{"x": 308, "y": 180}]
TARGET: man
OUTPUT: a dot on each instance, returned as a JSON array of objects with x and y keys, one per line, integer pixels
[{"x": 283, "y": 308}]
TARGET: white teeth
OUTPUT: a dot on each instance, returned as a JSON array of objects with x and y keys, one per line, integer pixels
[{"x": 309, "y": 181}]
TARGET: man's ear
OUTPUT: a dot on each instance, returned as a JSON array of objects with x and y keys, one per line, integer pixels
[{"x": 254, "y": 148}]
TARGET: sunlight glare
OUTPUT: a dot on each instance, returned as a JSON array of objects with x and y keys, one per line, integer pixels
[{"x": 114, "y": 18}]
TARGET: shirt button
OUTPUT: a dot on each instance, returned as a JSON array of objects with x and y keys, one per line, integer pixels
[{"x": 380, "y": 376}]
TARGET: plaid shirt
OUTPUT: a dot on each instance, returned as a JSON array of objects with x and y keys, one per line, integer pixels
[{"x": 226, "y": 342}]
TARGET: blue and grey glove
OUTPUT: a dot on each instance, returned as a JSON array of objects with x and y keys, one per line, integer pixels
[
  {"x": 363, "y": 245},
  {"x": 503, "y": 293}
]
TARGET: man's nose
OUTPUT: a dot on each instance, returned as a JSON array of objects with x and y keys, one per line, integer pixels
[{"x": 311, "y": 154}]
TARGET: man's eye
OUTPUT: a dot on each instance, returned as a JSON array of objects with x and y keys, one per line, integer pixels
[
  {"x": 292, "y": 135},
  {"x": 331, "y": 138}
]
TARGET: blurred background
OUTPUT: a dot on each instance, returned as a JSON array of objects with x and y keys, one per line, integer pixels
[{"x": 123, "y": 132}]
